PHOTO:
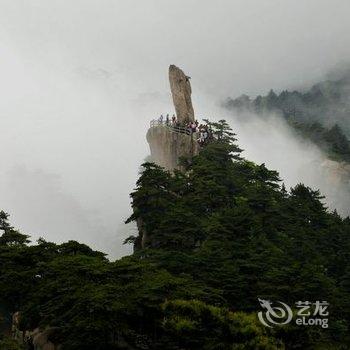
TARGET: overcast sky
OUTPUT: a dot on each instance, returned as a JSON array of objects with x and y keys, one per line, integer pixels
[{"x": 80, "y": 79}]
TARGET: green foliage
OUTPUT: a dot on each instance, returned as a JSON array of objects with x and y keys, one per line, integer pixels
[
  {"x": 216, "y": 237},
  {"x": 333, "y": 141},
  {"x": 10, "y": 236},
  {"x": 197, "y": 325},
  {"x": 7, "y": 343}
]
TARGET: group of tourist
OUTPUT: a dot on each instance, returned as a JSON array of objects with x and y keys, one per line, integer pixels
[
  {"x": 203, "y": 130},
  {"x": 205, "y": 134},
  {"x": 166, "y": 120}
]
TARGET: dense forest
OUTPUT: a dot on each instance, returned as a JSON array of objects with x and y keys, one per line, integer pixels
[
  {"x": 321, "y": 114},
  {"x": 216, "y": 237}
]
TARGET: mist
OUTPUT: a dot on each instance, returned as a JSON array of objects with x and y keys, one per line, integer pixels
[
  {"x": 81, "y": 80},
  {"x": 272, "y": 141}
]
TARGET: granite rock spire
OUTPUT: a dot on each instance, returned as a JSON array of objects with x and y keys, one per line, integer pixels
[{"x": 181, "y": 91}]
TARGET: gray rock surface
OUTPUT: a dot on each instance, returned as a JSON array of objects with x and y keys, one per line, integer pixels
[
  {"x": 181, "y": 91},
  {"x": 167, "y": 146}
]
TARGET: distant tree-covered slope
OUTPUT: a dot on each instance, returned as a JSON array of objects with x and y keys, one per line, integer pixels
[{"x": 321, "y": 114}]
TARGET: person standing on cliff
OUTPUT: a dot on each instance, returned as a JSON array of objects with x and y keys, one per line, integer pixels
[
  {"x": 167, "y": 119},
  {"x": 174, "y": 119},
  {"x": 160, "y": 119}
]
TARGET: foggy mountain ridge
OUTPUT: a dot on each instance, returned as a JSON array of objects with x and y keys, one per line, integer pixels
[
  {"x": 326, "y": 102},
  {"x": 318, "y": 120}
]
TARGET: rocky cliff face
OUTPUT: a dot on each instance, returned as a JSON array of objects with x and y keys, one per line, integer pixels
[
  {"x": 167, "y": 146},
  {"x": 336, "y": 185},
  {"x": 181, "y": 91},
  {"x": 337, "y": 172}
]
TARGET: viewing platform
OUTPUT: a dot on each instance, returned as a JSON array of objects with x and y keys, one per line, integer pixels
[
  {"x": 169, "y": 142},
  {"x": 173, "y": 127}
]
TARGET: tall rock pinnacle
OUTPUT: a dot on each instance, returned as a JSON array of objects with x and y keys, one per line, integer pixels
[
  {"x": 168, "y": 141},
  {"x": 181, "y": 91}
]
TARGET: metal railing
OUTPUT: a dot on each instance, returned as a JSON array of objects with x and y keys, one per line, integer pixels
[{"x": 173, "y": 127}]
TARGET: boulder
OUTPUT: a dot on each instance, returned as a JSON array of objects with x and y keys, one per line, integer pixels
[{"x": 181, "y": 91}]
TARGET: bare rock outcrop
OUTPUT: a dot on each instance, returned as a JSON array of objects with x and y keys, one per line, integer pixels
[
  {"x": 181, "y": 91},
  {"x": 41, "y": 340},
  {"x": 337, "y": 172},
  {"x": 36, "y": 338},
  {"x": 168, "y": 146}
]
